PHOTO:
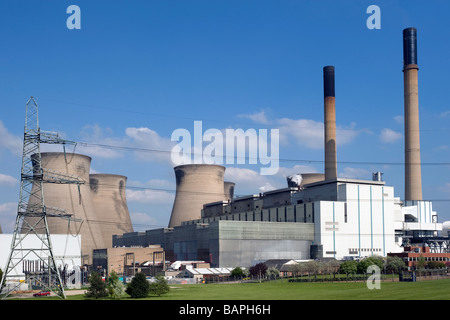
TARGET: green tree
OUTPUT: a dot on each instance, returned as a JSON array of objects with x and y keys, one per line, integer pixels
[
  {"x": 237, "y": 272},
  {"x": 348, "y": 267},
  {"x": 159, "y": 286},
  {"x": 394, "y": 264},
  {"x": 373, "y": 260},
  {"x": 421, "y": 263},
  {"x": 139, "y": 287},
  {"x": 273, "y": 273},
  {"x": 97, "y": 287},
  {"x": 435, "y": 265},
  {"x": 115, "y": 287}
]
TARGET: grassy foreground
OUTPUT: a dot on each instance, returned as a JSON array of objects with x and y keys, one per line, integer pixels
[{"x": 283, "y": 290}]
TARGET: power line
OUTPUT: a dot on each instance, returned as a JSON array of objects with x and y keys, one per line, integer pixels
[{"x": 115, "y": 147}]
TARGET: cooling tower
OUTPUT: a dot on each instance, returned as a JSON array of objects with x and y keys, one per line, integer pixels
[
  {"x": 75, "y": 200},
  {"x": 329, "y": 123},
  {"x": 229, "y": 190},
  {"x": 413, "y": 176},
  {"x": 110, "y": 204},
  {"x": 197, "y": 184}
]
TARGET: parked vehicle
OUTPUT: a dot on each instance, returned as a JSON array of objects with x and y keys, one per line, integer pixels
[{"x": 41, "y": 294}]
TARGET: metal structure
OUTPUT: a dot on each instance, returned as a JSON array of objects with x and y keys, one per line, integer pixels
[{"x": 32, "y": 204}]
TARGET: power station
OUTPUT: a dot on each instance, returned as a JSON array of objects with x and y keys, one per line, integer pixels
[{"x": 316, "y": 216}]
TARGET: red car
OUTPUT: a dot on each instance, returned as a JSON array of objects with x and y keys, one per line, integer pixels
[{"x": 41, "y": 294}]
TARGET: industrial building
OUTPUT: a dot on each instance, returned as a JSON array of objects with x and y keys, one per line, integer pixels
[
  {"x": 320, "y": 216},
  {"x": 66, "y": 251}
]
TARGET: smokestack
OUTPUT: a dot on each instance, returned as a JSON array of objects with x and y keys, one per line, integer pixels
[
  {"x": 330, "y": 123},
  {"x": 413, "y": 176},
  {"x": 197, "y": 184}
]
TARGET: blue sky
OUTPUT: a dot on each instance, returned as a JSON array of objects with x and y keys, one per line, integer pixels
[{"x": 138, "y": 70}]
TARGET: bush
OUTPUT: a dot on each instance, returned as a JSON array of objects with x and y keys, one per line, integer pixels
[
  {"x": 115, "y": 287},
  {"x": 395, "y": 264},
  {"x": 237, "y": 272},
  {"x": 348, "y": 267},
  {"x": 139, "y": 287},
  {"x": 435, "y": 265},
  {"x": 159, "y": 287},
  {"x": 374, "y": 260},
  {"x": 97, "y": 287}
]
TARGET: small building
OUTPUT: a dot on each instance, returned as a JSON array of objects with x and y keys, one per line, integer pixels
[
  {"x": 126, "y": 261},
  {"x": 412, "y": 255},
  {"x": 206, "y": 274}
]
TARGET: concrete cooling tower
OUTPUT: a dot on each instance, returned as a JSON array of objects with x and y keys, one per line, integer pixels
[
  {"x": 197, "y": 184},
  {"x": 229, "y": 190},
  {"x": 75, "y": 200},
  {"x": 110, "y": 205}
]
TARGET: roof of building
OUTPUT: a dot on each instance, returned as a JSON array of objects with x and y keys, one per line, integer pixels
[{"x": 209, "y": 271}]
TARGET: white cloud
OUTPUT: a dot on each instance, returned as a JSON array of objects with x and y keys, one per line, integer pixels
[
  {"x": 444, "y": 114},
  {"x": 6, "y": 180},
  {"x": 9, "y": 141},
  {"x": 399, "y": 119},
  {"x": 390, "y": 136},
  {"x": 310, "y": 133},
  {"x": 249, "y": 181},
  {"x": 145, "y": 143},
  {"x": 150, "y": 196},
  {"x": 257, "y": 117},
  {"x": 8, "y": 213},
  {"x": 157, "y": 148},
  {"x": 142, "y": 221}
]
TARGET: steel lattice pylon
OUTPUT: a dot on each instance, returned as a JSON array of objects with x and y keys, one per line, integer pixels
[{"x": 33, "y": 177}]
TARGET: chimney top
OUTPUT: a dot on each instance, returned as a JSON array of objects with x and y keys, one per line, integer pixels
[
  {"x": 409, "y": 46},
  {"x": 328, "y": 81}
]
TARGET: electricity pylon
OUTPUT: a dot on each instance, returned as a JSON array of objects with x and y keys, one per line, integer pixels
[{"x": 37, "y": 250}]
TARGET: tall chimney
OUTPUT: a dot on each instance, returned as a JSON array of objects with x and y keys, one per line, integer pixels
[
  {"x": 330, "y": 123},
  {"x": 413, "y": 176}
]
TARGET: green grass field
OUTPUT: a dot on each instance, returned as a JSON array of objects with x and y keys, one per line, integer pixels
[{"x": 283, "y": 290}]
